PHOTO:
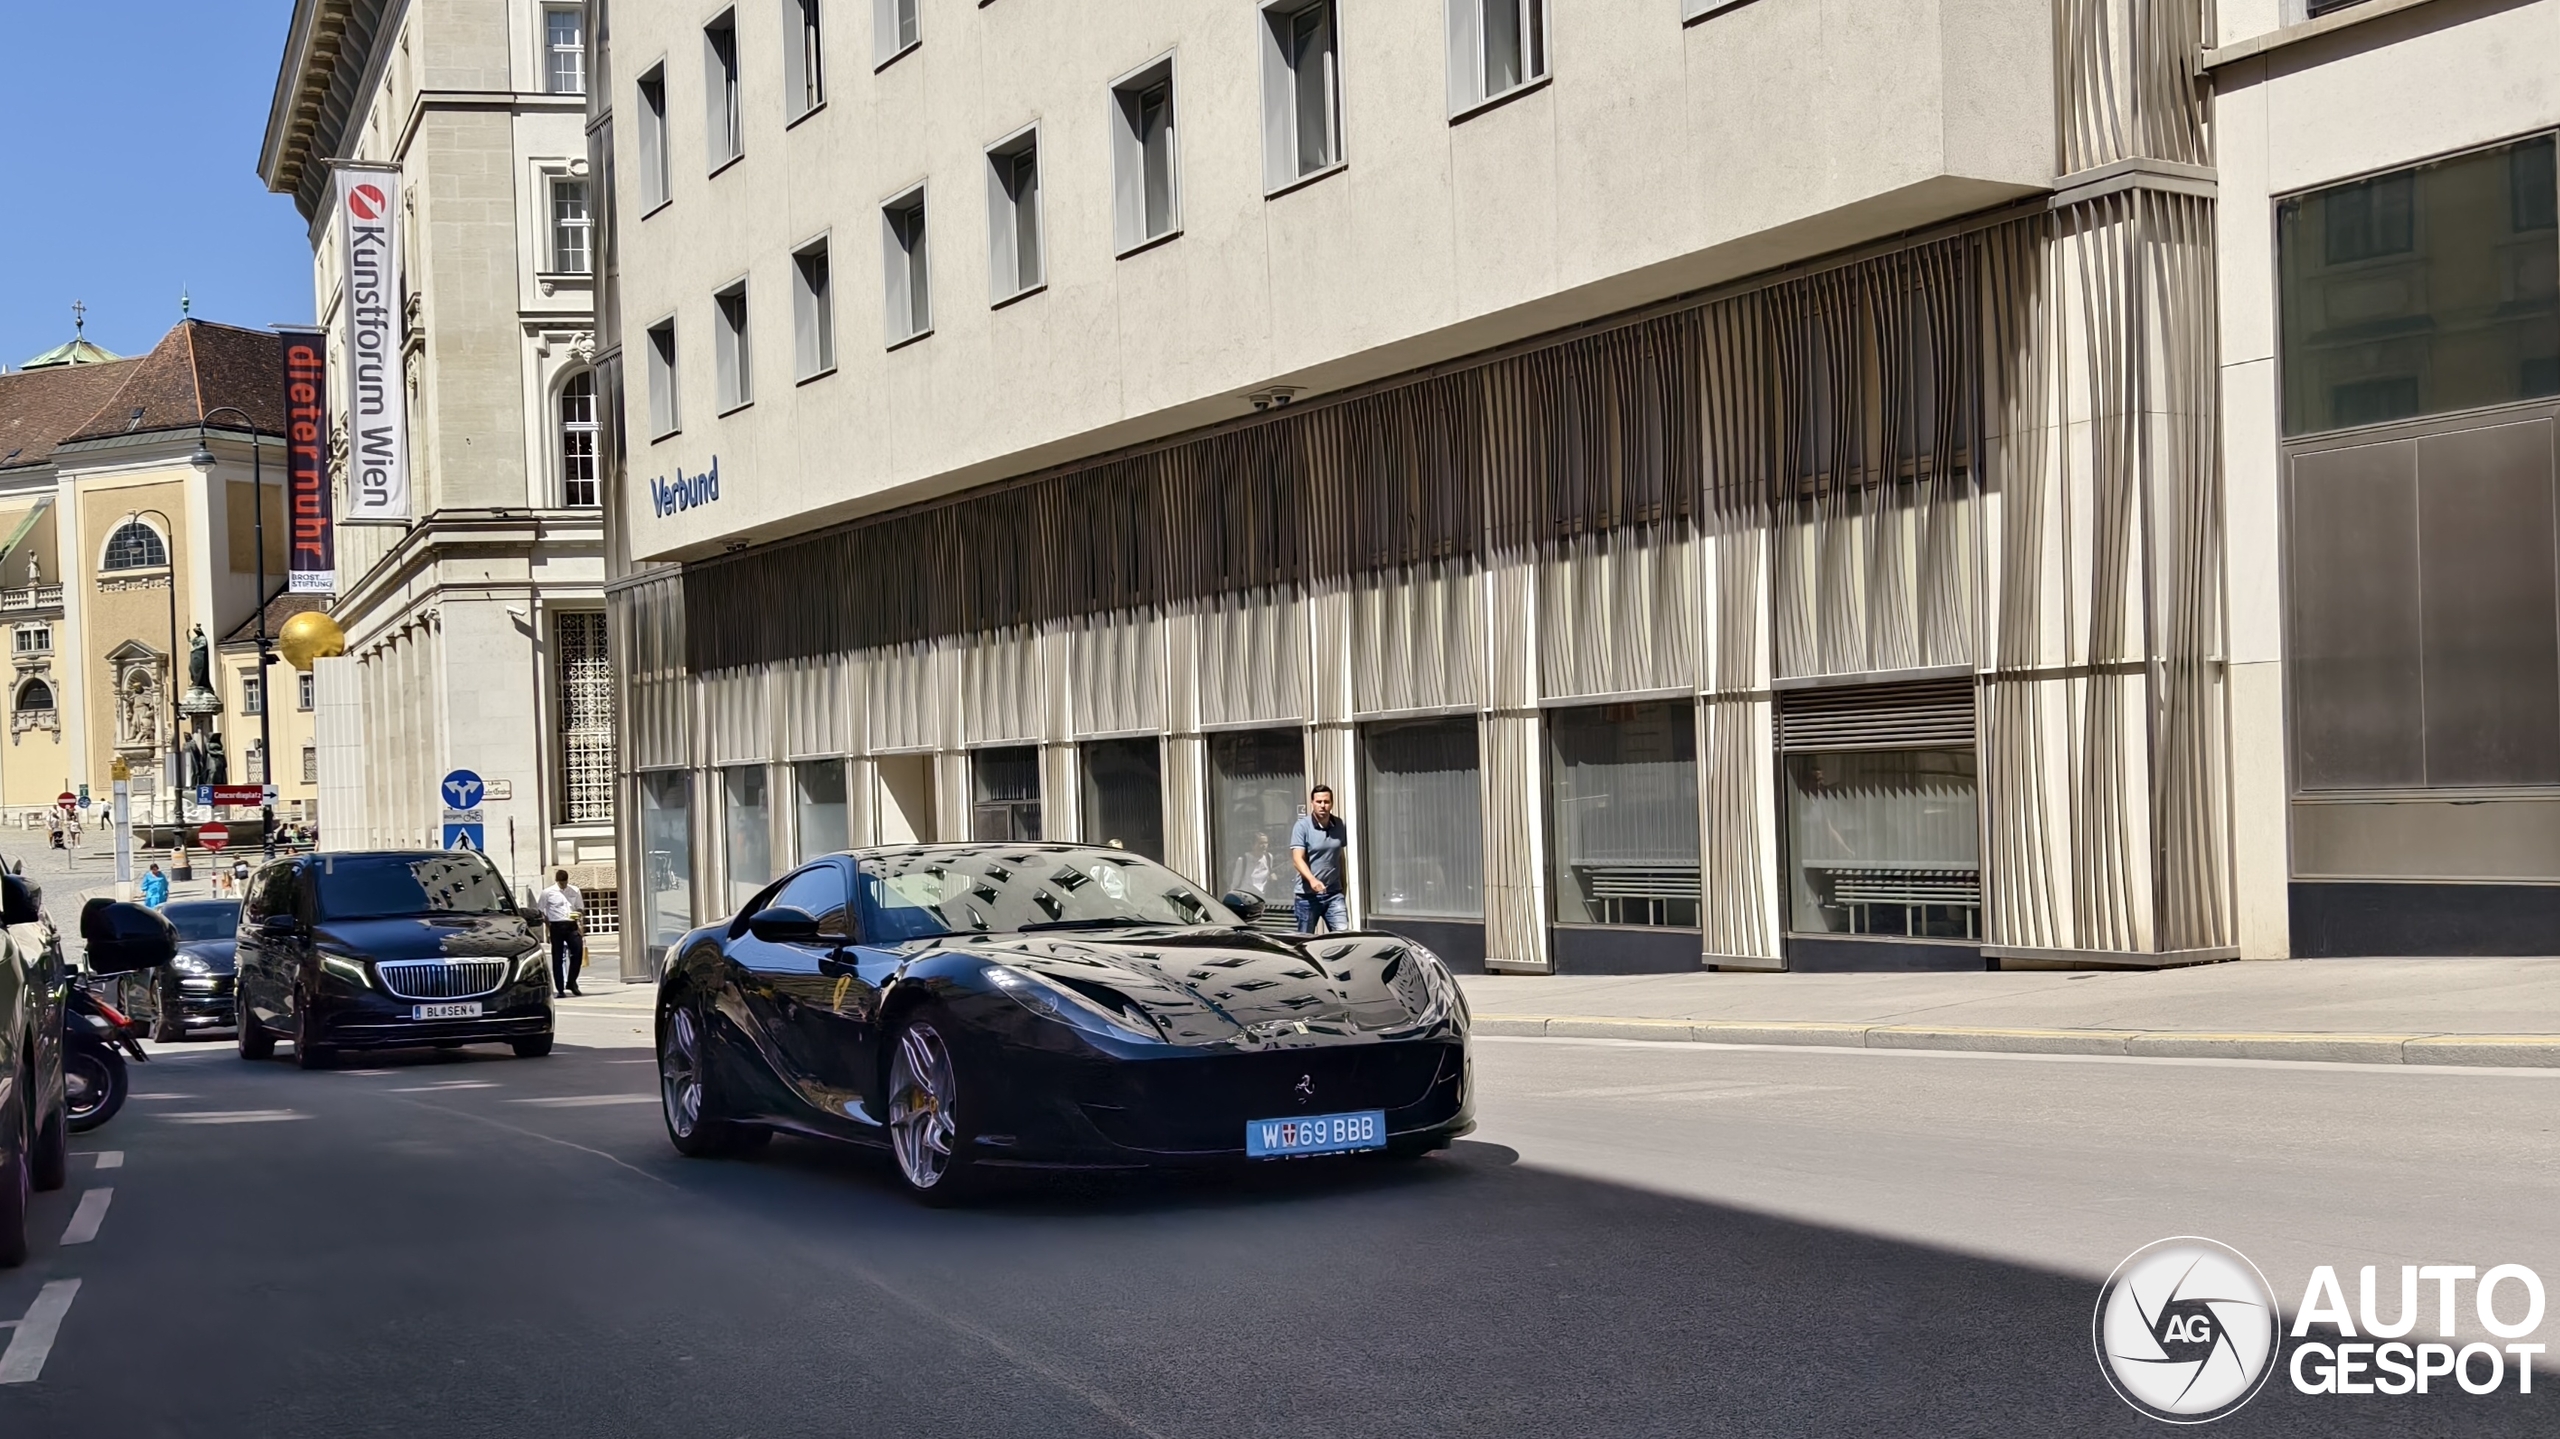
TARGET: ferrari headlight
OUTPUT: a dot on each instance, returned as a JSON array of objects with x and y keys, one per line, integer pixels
[
  {"x": 1441, "y": 996},
  {"x": 531, "y": 963},
  {"x": 346, "y": 967},
  {"x": 189, "y": 964},
  {"x": 1050, "y": 999}
]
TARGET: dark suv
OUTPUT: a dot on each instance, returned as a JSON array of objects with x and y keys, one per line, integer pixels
[{"x": 384, "y": 950}]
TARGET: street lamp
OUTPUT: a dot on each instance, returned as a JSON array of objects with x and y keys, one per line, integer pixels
[
  {"x": 203, "y": 460},
  {"x": 169, "y": 527}
]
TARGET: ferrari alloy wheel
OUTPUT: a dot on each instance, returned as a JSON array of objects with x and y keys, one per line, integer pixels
[
  {"x": 924, "y": 1111},
  {"x": 694, "y": 1122}
]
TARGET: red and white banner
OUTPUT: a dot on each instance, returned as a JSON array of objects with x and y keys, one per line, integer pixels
[
  {"x": 313, "y": 555},
  {"x": 371, "y": 317}
]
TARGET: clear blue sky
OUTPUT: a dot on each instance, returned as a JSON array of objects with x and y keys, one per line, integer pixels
[{"x": 129, "y": 169}]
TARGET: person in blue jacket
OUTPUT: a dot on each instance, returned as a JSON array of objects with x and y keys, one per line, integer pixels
[{"x": 155, "y": 888}]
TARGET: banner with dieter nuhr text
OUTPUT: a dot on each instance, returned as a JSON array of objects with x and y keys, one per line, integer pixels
[
  {"x": 312, "y": 560},
  {"x": 371, "y": 316}
]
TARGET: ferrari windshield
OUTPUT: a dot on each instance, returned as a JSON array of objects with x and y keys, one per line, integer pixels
[
  {"x": 384, "y": 886},
  {"x": 1024, "y": 888}
]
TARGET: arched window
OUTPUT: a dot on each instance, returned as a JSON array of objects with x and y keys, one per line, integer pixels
[
  {"x": 135, "y": 546},
  {"x": 34, "y": 694},
  {"x": 578, "y": 440}
]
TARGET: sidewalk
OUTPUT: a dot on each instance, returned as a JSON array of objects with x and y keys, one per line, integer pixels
[{"x": 2366, "y": 1011}]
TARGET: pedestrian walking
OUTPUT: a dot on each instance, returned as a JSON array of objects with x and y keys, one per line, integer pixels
[
  {"x": 239, "y": 874},
  {"x": 562, "y": 907},
  {"x": 1316, "y": 847},
  {"x": 155, "y": 888}
]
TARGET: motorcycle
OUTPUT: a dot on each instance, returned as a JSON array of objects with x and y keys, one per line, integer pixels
[{"x": 94, "y": 1079}]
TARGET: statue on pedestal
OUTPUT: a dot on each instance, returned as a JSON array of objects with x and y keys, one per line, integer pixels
[{"x": 199, "y": 660}]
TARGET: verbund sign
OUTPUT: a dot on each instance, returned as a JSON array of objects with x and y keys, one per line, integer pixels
[{"x": 685, "y": 492}]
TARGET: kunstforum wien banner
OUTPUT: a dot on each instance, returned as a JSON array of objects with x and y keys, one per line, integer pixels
[
  {"x": 371, "y": 314},
  {"x": 313, "y": 560}
]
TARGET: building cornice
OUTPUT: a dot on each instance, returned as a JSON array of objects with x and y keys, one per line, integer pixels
[
  {"x": 444, "y": 532},
  {"x": 2288, "y": 35}
]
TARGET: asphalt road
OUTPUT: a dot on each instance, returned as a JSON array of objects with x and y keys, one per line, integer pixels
[{"x": 1641, "y": 1239}]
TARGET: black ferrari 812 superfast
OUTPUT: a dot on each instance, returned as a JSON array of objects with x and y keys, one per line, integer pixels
[{"x": 990, "y": 1007}]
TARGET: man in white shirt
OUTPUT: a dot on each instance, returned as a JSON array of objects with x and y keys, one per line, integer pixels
[{"x": 561, "y": 907}]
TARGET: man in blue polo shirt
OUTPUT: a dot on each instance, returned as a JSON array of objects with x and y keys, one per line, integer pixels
[{"x": 1316, "y": 848}]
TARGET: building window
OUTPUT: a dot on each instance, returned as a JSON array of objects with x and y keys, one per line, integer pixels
[
  {"x": 35, "y": 696},
  {"x": 1422, "y": 819},
  {"x": 32, "y": 640},
  {"x": 1881, "y": 820},
  {"x": 1623, "y": 814},
  {"x": 804, "y": 69},
  {"x": 577, "y": 443},
  {"x": 896, "y": 28},
  {"x": 302, "y": 687},
  {"x": 1123, "y": 792},
  {"x": 603, "y": 914},
  {"x": 746, "y": 828},
  {"x": 724, "y": 122},
  {"x": 655, "y": 188},
  {"x": 1004, "y": 794},
  {"x": 310, "y": 765},
  {"x": 813, "y": 312},
  {"x": 253, "y": 695},
  {"x": 585, "y": 670},
  {"x": 1301, "y": 92},
  {"x": 666, "y": 861},
  {"x": 908, "y": 301},
  {"x": 564, "y": 44},
  {"x": 2429, "y": 290},
  {"x": 821, "y": 821},
  {"x": 734, "y": 355},
  {"x": 253, "y": 763},
  {"x": 1257, "y": 790},
  {"x": 1495, "y": 47},
  {"x": 1013, "y": 216},
  {"x": 663, "y": 415},
  {"x": 135, "y": 546},
  {"x": 1145, "y": 186},
  {"x": 572, "y": 247}
]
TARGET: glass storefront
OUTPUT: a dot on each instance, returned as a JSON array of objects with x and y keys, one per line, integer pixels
[
  {"x": 821, "y": 822},
  {"x": 1123, "y": 794},
  {"x": 1004, "y": 794},
  {"x": 666, "y": 858},
  {"x": 1257, "y": 790},
  {"x": 746, "y": 831},
  {"x": 1883, "y": 842},
  {"x": 1422, "y": 819},
  {"x": 1622, "y": 817}
]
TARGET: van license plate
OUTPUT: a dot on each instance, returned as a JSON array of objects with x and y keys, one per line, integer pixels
[{"x": 446, "y": 1011}]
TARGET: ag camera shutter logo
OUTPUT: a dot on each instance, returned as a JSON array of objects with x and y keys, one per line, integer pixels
[{"x": 2186, "y": 1330}]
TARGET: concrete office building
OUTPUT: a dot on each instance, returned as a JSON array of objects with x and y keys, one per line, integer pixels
[
  {"x": 1742, "y": 485},
  {"x": 475, "y": 630}
]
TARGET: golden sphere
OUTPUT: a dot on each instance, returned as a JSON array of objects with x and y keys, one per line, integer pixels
[{"x": 310, "y": 636}]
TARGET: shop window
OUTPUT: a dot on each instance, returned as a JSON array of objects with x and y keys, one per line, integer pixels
[
  {"x": 666, "y": 861},
  {"x": 1004, "y": 795},
  {"x": 821, "y": 823},
  {"x": 2424, "y": 291},
  {"x": 1882, "y": 831},
  {"x": 1422, "y": 819},
  {"x": 1257, "y": 790},
  {"x": 1123, "y": 794},
  {"x": 1623, "y": 814},
  {"x": 746, "y": 829}
]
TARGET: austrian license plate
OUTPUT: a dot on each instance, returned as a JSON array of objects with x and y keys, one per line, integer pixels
[
  {"x": 446, "y": 1011},
  {"x": 1316, "y": 1134}
]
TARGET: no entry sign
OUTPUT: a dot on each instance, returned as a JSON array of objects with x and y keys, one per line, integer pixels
[
  {"x": 67, "y": 800},
  {"x": 213, "y": 836}
]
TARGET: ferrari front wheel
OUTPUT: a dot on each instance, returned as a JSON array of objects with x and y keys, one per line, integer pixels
[
  {"x": 687, "y": 1096},
  {"x": 927, "y": 1131}
]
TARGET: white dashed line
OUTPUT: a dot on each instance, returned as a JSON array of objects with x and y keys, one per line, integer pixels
[
  {"x": 111, "y": 1159},
  {"x": 450, "y": 1084},
  {"x": 86, "y": 1219},
  {"x": 582, "y": 1101},
  {"x": 165, "y": 1096},
  {"x": 235, "y": 1116},
  {"x": 32, "y": 1338},
  {"x": 368, "y": 1073}
]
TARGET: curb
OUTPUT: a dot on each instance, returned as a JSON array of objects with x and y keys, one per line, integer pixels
[{"x": 2535, "y": 1051}]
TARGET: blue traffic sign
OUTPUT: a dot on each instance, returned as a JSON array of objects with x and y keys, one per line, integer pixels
[
  {"x": 462, "y": 789},
  {"x": 464, "y": 836},
  {"x": 204, "y": 794}
]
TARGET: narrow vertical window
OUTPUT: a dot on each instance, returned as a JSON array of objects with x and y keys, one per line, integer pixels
[
  {"x": 896, "y": 28},
  {"x": 577, "y": 441},
  {"x": 585, "y": 673},
  {"x": 1301, "y": 92},
  {"x": 654, "y": 187},
  {"x": 813, "y": 312},
  {"x": 663, "y": 414},
  {"x": 737, "y": 378},
  {"x": 1013, "y": 216},
  {"x": 1144, "y": 179},
  {"x": 804, "y": 69},
  {"x": 1495, "y": 47},
  {"x": 564, "y": 49},
  {"x": 302, "y": 691},
  {"x": 572, "y": 231},
  {"x": 908, "y": 293},
  {"x": 723, "y": 123}
]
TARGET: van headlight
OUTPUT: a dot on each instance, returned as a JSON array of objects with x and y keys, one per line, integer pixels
[
  {"x": 531, "y": 963},
  {"x": 346, "y": 967}
]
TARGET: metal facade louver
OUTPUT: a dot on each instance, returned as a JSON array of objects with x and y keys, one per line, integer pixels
[{"x": 1935, "y": 715}]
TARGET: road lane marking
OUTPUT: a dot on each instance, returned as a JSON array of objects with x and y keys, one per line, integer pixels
[
  {"x": 1706, "y": 1048},
  {"x": 235, "y": 1116},
  {"x": 448, "y": 1084},
  {"x": 111, "y": 1159},
  {"x": 91, "y": 1213},
  {"x": 368, "y": 1073},
  {"x": 32, "y": 1338},
  {"x": 165, "y": 1096},
  {"x": 582, "y": 1101}
]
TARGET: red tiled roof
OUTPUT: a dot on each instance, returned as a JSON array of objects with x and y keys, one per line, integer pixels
[
  {"x": 197, "y": 368},
  {"x": 39, "y": 409},
  {"x": 279, "y": 609}
]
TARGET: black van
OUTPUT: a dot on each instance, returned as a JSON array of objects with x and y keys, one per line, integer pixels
[{"x": 388, "y": 949}]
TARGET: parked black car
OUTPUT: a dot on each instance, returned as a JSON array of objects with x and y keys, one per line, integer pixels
[
  {"x": 977, "y": 1008},
  {"x": 193, "y": 991},
  {"x": 388, "y": 949}
]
